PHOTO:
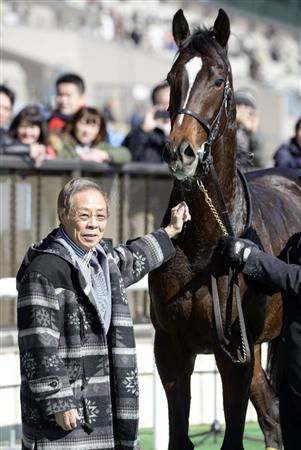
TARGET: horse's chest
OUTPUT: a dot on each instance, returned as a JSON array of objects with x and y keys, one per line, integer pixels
[{"x": 182, "y": 301}]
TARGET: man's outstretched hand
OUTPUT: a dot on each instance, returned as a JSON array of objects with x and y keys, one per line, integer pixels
[{"x": 178, "y": 216}]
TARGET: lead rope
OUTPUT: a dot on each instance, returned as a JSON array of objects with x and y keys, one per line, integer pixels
[
  {"x": 244, "y": 356},
  {"x": 212, "y": 207}
]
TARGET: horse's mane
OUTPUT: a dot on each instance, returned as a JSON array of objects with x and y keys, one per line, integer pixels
[{"x": 202, "y": 40}]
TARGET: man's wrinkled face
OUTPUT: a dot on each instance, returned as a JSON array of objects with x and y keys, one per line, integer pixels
[
  {"x": 69, "y": 99},
  {"x": 86, "y": 221}
]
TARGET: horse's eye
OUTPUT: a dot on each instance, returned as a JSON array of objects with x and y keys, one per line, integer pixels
[{"x": 219, "y": 82}]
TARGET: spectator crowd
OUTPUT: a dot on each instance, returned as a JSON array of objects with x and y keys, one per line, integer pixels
[{"x": 74, "y": 130}]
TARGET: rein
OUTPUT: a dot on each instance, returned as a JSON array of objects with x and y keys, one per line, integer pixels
[{"x": 224, "y": 333}]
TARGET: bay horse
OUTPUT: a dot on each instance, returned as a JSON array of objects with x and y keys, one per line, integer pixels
[{"x": 203, "y": 137}]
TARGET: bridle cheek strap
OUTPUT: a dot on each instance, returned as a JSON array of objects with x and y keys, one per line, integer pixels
[{"x": 211, "y": 130}]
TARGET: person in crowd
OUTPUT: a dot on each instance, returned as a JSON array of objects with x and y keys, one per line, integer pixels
[
  {"x": 85, "y": 137},
  {"x": 7, "y": 99},
  {"x": 147, "y": 140},
  {"x": 70, "y": 96},
  {"x": 28, "y": 136},
  {"x": 249, "y": 138},
  {"x": 79, "y": 386},
  {"x": 271, "y": 275},
  {"x": 289, "y": 154}
]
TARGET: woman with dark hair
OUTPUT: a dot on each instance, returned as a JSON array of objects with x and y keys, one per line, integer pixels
[
  {"x": 28, "y": 130},
  {"x": 85, "y": 137}
]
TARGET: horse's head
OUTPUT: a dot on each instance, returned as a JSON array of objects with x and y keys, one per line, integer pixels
[{"x": 201, "y": 97}]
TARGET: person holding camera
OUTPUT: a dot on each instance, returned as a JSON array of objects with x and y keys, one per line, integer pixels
[{"x": 147, "y": 140}]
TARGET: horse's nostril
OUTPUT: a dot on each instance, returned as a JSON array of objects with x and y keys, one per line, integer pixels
[
  {"x": 185, "y": 150},
  {"x": 189, "y": 152}
]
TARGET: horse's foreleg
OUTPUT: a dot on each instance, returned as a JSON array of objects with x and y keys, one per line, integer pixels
[
  {"x": 175, "y": 367},
  {"x": 266, "y": 404},
  {"x": 236, "y": 380}
]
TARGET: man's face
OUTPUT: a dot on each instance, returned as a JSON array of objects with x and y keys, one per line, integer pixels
[
  {"x": 68, "y": 98},
  {"x": 162, "y": 98},
  {"x": 87, "y": 219},
  {"x": 5, "y": 109}
]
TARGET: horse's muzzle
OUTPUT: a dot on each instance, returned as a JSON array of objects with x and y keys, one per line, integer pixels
[{"x": 181, "y": 159}]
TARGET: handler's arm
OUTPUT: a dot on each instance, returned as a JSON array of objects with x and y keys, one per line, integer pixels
[{"x": 273, "y": 273}]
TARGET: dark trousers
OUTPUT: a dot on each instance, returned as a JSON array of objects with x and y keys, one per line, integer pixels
[{"x": 290, "y": 416}]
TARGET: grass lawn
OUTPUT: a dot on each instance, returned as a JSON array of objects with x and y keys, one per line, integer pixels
[{"x": 211, "y": 443}]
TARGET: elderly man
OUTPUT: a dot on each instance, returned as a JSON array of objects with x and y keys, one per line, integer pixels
[{"x": 79, "y": 385}]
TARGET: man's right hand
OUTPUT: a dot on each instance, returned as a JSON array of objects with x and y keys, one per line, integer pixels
[{"x": 67, "y": 419}]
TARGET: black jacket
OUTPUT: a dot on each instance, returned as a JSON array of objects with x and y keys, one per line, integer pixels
[
  {"x": 146, "y": 146},
  {"x": 283, "y": 274}
]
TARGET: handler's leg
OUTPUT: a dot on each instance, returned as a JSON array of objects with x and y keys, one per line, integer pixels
[{"x": 290, "y": 416}]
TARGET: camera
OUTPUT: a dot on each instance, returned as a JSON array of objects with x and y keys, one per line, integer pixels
[{"x": 161, "y": 114}]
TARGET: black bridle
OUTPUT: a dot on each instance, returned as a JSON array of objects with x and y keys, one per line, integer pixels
[{"x": 213, "y": 129}]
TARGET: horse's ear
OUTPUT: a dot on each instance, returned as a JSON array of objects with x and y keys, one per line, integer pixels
[
  {"x": 221, "y": 28},
  {"x": 180, "y": 27}
]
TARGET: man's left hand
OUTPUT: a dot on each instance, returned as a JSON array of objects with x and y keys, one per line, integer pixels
[{"x": 67, "y": 419}]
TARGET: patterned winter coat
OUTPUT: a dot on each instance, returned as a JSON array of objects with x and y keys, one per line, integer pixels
[{"x": 67, "y": 360}]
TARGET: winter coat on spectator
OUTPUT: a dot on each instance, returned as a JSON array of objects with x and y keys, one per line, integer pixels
[
  {"x": 81, "y": 366},
  {"x": 146, "y": 146},
  {"x": 65, "y": 146},
  {"x": 289, "y": 155}
]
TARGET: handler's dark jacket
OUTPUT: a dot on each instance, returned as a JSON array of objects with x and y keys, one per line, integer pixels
[
  {"x": 283, "y": 274},
  {"x": 67, "y": 360}
]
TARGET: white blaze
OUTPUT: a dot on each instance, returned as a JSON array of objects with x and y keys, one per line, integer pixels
[{"x": 193, "y": 66}]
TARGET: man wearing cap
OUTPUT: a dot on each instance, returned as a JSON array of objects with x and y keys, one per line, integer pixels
[{"x": 249, "y": 140}]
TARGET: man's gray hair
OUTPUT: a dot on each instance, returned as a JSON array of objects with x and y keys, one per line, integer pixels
[{"x": 73, "y": 187}]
